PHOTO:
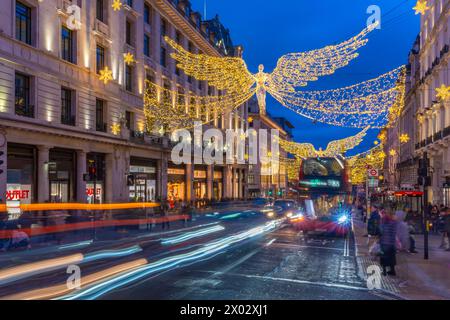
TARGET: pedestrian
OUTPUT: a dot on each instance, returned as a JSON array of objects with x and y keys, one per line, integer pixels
[
  {"x": 373, "y": 225},
  {"x": 447, "y": 230},
  {"x": 388, "y": 232},
  {"x": 402, "y": 228},
  {"x": 165, "y": 214},
  {"x": 441, "y": 228},
  {"x": 412, "y": 239}
]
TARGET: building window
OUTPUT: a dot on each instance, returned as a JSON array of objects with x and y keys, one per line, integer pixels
[
  {"x": 67, "y": 101},
  {"x": 100, "y": 124},
  {"x": 129, "y": 119},
  {"x": 129, "y": 3},
  {"x": 163, "y": 60},
  {"x": 100, "y": 58},
  {"x": 129, "y": 78},
  {"x": 67, "y": 52},
  {"x": 100, "y": 10},
  {"x": 147, "y": 13},
  {"x": 146, "y": 45},
  {"x": 23, "y": 23},
  {"x": 191, "y": 50},
  {"x": 163, "y": 28},
  {"x": 23, "y": 106},
  {"x": 128, "y": 33}
]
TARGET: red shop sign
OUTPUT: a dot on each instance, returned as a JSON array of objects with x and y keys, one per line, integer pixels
[{"x": 17, "y": 194}]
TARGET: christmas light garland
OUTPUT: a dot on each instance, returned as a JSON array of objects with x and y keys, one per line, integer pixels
[
  {"x": 375, "y": 103},
  {"x": 168, "y": 109},
  {"x": 360, "y": 163},
  {"x": 334, "y": 148},
  {"x": 293, "y": 70}
]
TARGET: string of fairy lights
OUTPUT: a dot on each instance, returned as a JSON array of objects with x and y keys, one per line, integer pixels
[
  {"x": 374, "y": 103},
  {"x": 335, "y": 148},
  {"x": 297, "y": 69},
  {"x": 173, "y": 110}
]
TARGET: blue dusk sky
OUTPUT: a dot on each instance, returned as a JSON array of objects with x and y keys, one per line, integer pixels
[{"x": 270, "y": 29}]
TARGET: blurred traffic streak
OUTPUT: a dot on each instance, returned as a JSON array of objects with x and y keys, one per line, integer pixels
[
  {"x": 22, "y": 271},
  {"x": 97, "y": 283},
  {"x": 191, "y": 235},
  {"x": 81, "y": 206},
  {"x": 6, "y": 234},
  {"x": 18, "y": 272},
  {"x": 58, "y": 290}
]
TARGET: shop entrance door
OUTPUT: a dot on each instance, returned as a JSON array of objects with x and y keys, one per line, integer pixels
[{"x": 59, "y": 191}]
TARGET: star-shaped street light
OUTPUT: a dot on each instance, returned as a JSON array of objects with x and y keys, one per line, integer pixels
[
  {"x": 116, "y": 5},
  {"x": 392, "y": 153},
  {"x": 404, "y": 138},
  {"x": 128, "y": 58},
  {"x": 421, "y": 7},
  {"x": 115, "y": 129},
  {"x": 443, "y": 92},
  {"x": 106, "y": 75}
]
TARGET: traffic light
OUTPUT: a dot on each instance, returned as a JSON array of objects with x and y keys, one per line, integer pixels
[{"x": 92, "y": 171}]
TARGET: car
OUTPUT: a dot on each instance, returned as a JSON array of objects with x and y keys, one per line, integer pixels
[
  {"x": 337, "y": 223},
  {"x": 285, "y": 207}
]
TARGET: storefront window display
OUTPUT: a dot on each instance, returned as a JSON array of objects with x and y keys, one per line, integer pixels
[
  {"x": 200, "y": 184},
  {"x": 21, "y": 176},
  {"x": 176, "y": 185},
  {"x": 144, "y": 174}
]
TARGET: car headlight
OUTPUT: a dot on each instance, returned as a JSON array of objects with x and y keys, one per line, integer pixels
[
  {"x": 289, "y": 215},
  {"x": 343, "y": 219}
]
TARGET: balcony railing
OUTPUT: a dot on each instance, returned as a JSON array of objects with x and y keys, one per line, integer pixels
[
  {"x": 429, "y": 140},
  {"x": 446, "y": 132},
  {"x": 437, "y": 136},
  {"x": 25, "y": 110},
  {"x": 68, "y": 120},
  {"x": 101, "y": 127}
]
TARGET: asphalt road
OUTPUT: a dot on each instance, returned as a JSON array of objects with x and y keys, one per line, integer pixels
[
  {"x": 282, "y": 265},
  {"x": 237, "y": 254}
]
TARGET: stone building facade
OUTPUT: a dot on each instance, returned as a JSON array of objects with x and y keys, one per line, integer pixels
[{"x": 70, "y": 137}]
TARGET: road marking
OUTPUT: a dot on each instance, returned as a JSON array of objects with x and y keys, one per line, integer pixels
[
  {"x": 297, "y": 246},
  {"x": 238, "y": 262},
  {"x": 324, "y": 284},
  {"x": 268, "y": 244},
  {"x": 347, "y": 247}
]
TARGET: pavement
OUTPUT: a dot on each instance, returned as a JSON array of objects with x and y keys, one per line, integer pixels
[{"x": 417, "y": 278}]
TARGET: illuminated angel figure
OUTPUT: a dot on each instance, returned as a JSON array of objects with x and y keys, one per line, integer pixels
[
  {"x": 293, "y": 70},
  {"x": 334, "y": 148}
]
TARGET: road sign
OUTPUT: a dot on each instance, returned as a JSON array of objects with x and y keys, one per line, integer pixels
[{"x": 373, "y": 173}]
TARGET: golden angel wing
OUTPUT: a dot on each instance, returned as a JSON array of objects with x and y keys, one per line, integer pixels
[
  {"x": 297, "y": 69},
  {"x": 338, "y": 147},
  {"x": 224, "y": 73},
  {"x": 300, "y": 150}
]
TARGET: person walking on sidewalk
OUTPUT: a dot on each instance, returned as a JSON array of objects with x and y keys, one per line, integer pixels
[
  {"x": 373, "y": 225},
  {"x": 447, "y": 230},
  {"x": 402, "y": 228},
  {"x": 388, "y": 241}
]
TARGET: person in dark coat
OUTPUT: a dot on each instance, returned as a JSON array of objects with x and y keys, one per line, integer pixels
[
  {"x": 373, "y": 224},
  {"x": 388, "y": 232}
]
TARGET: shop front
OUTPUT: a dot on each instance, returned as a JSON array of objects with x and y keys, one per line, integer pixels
[
  {"x": 21, "y": 176},
  {"x": 144, "y": 184},
  {"x": 95, "y": 184},
  {"x": 200, "y": 182},
  {"x": 218, "y": 184},
  {"x": 446, "y": 191},
  {"x": 176, "y": 182},
  {"x": 61, "y": 175}
]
